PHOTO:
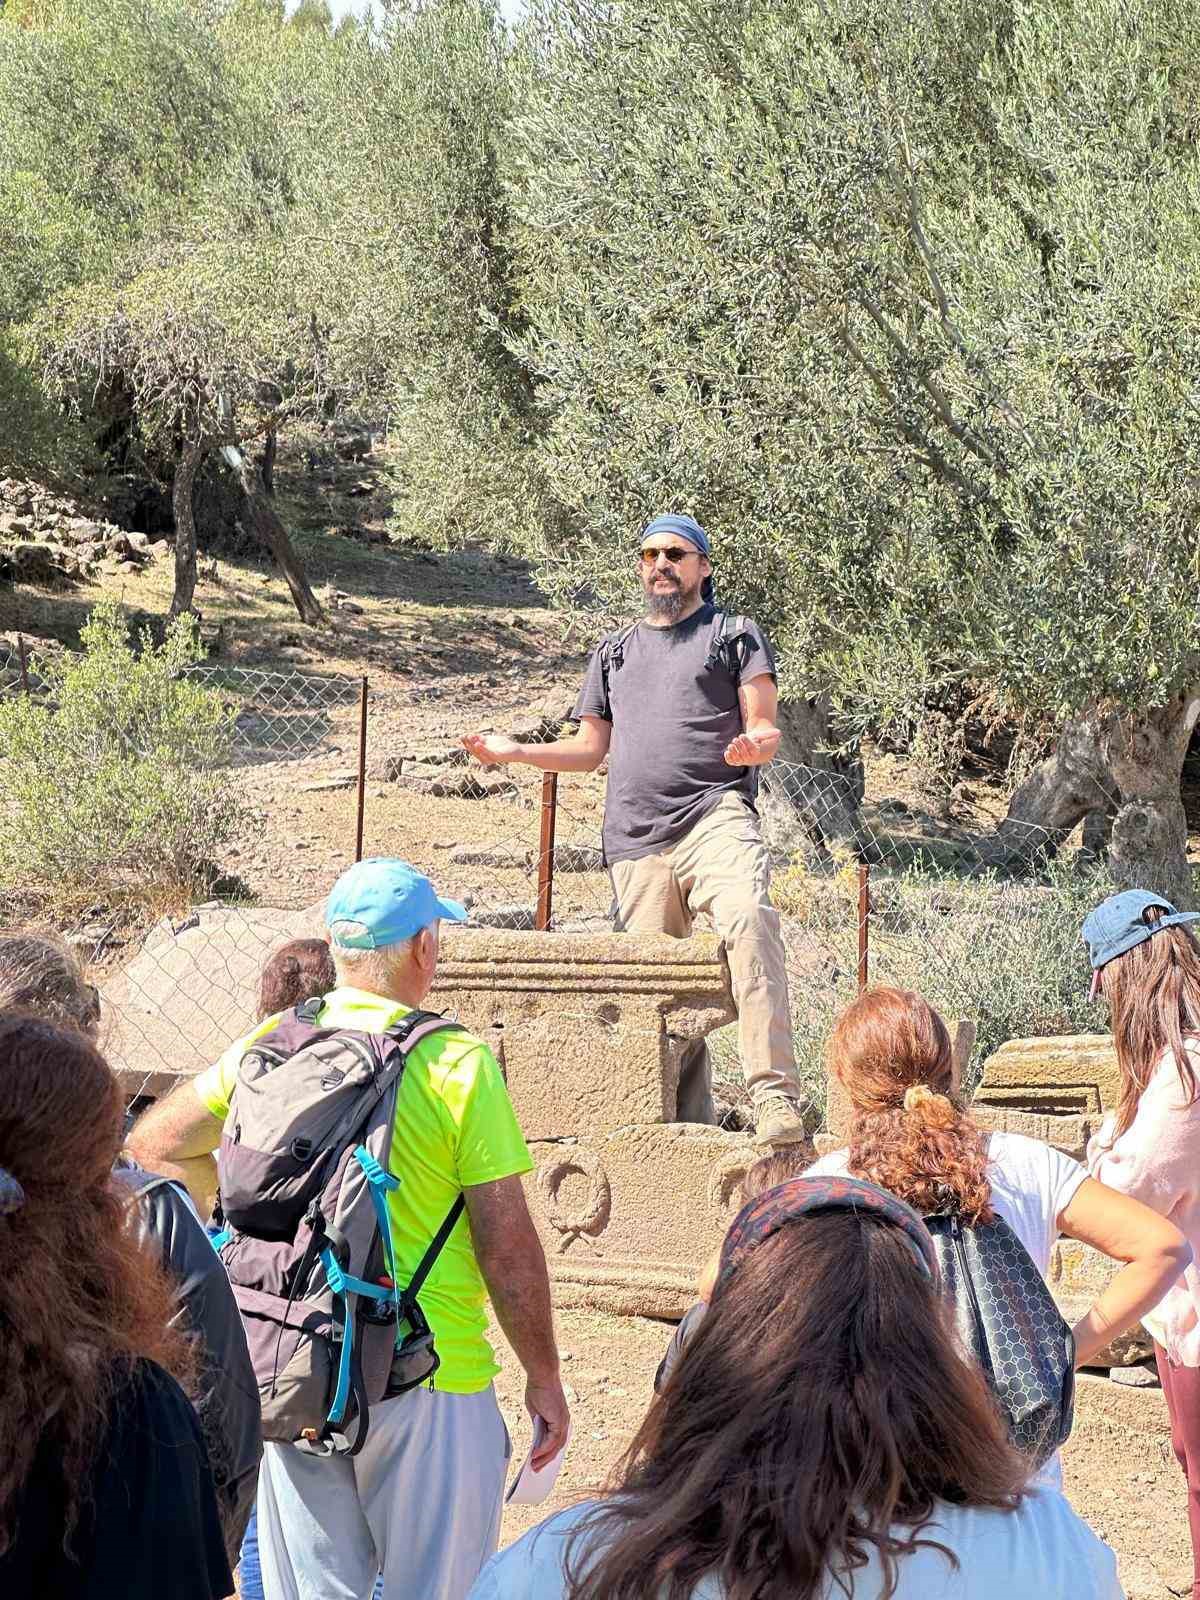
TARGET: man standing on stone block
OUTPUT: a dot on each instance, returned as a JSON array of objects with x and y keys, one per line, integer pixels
[
  {"x": 422, "y": 1501},
  {"x": 683, "y": 704}
]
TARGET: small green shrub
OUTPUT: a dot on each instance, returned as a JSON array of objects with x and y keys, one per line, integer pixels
[
  {"x": 1005, "y": 954},
  {"x": 110, "y": 786}
]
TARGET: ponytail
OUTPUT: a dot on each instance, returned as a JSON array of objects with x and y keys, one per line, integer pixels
[{"x": 909, "y": 1132}]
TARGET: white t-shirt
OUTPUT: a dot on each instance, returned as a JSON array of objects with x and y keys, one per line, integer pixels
[
  {"x": 1032, "y": 1185},
  {"x": 1042, "y": 1548}
]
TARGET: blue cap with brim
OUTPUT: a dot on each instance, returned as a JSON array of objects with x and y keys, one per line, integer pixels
[
  {"x": 1118, "y": 924},
  {"x": 384, "y": 901}
]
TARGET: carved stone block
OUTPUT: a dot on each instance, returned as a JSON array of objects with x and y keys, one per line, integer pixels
[
  {"x": 589, "y": 1028},
  {"x": 628, "y": 1217}
]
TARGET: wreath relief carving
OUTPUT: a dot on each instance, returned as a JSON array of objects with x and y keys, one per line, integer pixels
[{"x": 589, "y": 1217}]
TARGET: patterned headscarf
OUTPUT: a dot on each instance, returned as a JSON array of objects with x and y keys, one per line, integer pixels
[{"x": 767, "y": 1213}]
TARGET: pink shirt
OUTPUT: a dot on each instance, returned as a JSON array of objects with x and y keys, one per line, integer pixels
[{"x": 1157, "y": 1161}]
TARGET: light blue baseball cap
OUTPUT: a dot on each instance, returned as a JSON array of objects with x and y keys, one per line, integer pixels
[
  {"x": 384, "y": 901},
  {"x": 1119, "y": 923}
]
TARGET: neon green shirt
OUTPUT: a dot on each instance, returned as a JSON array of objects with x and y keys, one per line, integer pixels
[{"x": 455, "y": 1127}]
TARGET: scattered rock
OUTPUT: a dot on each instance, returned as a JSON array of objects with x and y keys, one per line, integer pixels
[
  {"x": 518, "y": 917},
  {"x": 351, "y": 606},
  {"x": 578, "y": 858},
  {"x": 339, "y": 780},
  {"x": 499, "y": 856},
  {"x": 468, "y": 787},
  {"x": 1137, "y": 1377}
]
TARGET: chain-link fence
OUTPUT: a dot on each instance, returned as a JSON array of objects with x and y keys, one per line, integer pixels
[
  {"x": 985, "y": 926},
  {"x": 892, "y": 900},
  {"x": 285, "y": 716}
]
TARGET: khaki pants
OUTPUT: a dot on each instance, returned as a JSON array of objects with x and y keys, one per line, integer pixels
[{"x": 721, "y": 867}]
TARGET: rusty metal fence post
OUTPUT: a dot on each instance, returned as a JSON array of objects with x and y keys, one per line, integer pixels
[
  {"x": 864, "y": 923},
  {"x": 362, "y": 772},
  {"x": 545, "y": 878}
]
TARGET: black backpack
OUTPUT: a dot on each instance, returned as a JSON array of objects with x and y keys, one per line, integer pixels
[
  {"x": 1007, "y": 1318},
  {"x": 727, "y": 646},
  {"x": 307, "y": 1241}
]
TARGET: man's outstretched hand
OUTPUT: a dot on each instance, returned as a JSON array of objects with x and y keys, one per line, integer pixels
[
  {"x": 752, "y": 749},
  {"x": 491, "y": 748}
]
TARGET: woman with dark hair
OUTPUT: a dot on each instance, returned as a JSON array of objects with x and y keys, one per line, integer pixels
[
  {"x": 822, "y": 1437},
  {"x": 296, "y": 972},
  {"x": 42, "y": 976},
  {"x": 1146, "y": 964},
  {"x": 911, "y": 1133},
  {"x": 105, "y": 1487}
]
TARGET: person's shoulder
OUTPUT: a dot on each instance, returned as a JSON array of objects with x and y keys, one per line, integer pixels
[
  {"x": 533, "y": 1566},
  {"x": 1017, "y": 1156},
  {"x": 452, "y": 1053},
  {"x": 1047, "y": 1519},
  {"x": 834, "y": 1165},
  {"x": 1042, "y": 1540},
  {"x": 149, "y": 1400}
]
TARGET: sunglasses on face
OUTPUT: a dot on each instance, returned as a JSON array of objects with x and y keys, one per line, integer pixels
[{"x": 674, "y": 554}]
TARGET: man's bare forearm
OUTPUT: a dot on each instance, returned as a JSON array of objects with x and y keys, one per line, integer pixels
[
  {"x": 519, "y": 1287},
  {"x": 563, "y": 755}
]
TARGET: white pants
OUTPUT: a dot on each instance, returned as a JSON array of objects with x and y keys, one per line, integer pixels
[{"x": 421, "y": 1503}]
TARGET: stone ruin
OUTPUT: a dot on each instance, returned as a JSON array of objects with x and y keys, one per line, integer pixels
[
  {"x": 589, "y": 1029},
  {"x": 628, "y": 1202}
]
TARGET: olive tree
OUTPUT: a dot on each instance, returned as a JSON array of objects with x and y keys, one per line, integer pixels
[{"x": 895, "y": 300}]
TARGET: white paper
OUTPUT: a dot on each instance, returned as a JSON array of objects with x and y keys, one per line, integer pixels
[{"x": 530, "y": 1488}]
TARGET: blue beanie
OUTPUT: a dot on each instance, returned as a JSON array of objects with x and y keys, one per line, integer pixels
[{"x": 687, "y": 528}]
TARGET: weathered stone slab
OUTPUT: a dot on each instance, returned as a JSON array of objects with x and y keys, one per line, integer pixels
[
  {"x": 190, "y": 991},
  {"x": 629, "y": 1217},
  {"x": 1067, "y": 1133},
  {"x": 1072, "y": 1075},
  {"x": 589, "y": 1028}
]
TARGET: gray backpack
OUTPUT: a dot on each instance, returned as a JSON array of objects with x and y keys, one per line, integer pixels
[{"x": 307, "y": 1242}]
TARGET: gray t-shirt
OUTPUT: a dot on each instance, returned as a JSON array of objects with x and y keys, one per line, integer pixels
[{"x": 672, "y": 717}]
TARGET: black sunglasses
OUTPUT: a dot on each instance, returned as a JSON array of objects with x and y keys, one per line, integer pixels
[{"x": 674, "y": 554}]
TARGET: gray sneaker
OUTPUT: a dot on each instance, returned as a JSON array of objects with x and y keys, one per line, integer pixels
[{"x": 778, "y": 1120}]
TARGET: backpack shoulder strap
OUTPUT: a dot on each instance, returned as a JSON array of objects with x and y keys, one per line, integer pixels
[
  {"x": 436, "y": 1245},
  {"x": 612, "y": 651}
]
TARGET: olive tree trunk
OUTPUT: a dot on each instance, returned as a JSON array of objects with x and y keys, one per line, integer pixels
[
  {"x": 182, "y": 508},
  {"x": 1119, "y": 774},
  {"x": 265, "y": 521},
  {"x": 1073, "y": 784},
  {"x": 1145, "y": 750}
]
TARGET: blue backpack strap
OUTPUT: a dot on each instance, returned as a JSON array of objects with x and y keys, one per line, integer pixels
[{"x": 347, "y": 1288}]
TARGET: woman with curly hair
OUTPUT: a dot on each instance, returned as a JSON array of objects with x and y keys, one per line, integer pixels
[
  {"x": 910, "y": 1133},
  {"x": 105, "y": 1487},
  {"x": 1146, "y": 965},
  {"x": 822, "y": 1438}
]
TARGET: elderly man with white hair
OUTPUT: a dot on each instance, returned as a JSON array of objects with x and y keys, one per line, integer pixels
[{"x": 422, "y": 1501}]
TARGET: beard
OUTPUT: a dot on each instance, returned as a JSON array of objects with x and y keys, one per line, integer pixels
[{"x": 668, "y": 603}]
